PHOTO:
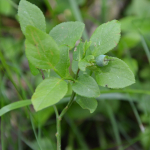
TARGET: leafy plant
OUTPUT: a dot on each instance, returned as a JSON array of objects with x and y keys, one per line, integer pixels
[{"x": 90, "y": 66}]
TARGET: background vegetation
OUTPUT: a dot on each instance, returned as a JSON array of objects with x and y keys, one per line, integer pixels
[{"x": 122, "y": 118}]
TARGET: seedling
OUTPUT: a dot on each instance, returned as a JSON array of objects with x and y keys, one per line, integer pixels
[{"x": 90, "y": 66}]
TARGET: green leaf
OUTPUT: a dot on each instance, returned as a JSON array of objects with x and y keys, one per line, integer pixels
[
  {"x": 67, "y": 33},
  {"x": 116, "y": 74},
  {"x": 105, "y": 37},
  {"x": 86, "y": 45},
  {"x": 74, "y": 66},
  {"x": 89, "y": 58},
  {"x": 78, "y": 52},
  {"x": 86, "y": 86},
  {"x": 86, "y": 62},
  {"x": 83, "y": 64},
  {"x": 87, "y": 103},
  {"x": 49, "y": 92},
  {"x": 33, "y": 69},
  {"x": 41, "y": 49},
  {"x": 64, "y": 62},
  {"x": 30, "y": 14},
  {"x": 14, "y": 105}
]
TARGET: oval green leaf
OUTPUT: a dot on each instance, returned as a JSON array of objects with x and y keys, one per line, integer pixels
[
  {"x": 105, "y": 37},
  {"x": 30, "y": 14},
  {"x": 83, "y": 64},
  {"x": 49, "y": 92},
  {"x": 116, "y": 74},
  {"x": 87, "y": 103},
  {"x": 86, "y": 86},
  {"x": 64, "y": 62},
  {"x": 67, "y": 33},
  {"x": 33, "y": 69},
  {"x": 78, "y": 52},
  {"x": 41, "y": 49}
]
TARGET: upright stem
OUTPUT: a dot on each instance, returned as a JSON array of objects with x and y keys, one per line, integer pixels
[
  {"x": 68, "y": 105},
  {"x": 59, "y": 117},
  {"x": 58, "y": 134},
  {"x": 58, "y": 120}
]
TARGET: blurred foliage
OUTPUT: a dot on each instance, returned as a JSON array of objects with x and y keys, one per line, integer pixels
[{"x": 116, "y": 121}]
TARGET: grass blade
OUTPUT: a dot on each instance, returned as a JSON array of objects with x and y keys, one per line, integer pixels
[
  {"x": 2, "y": 130},
  {"x": 14, "y": 105},
  {"x": 13, "y": 4},
  {"x": 147, "y": 51},
  {"x": 104, "y": 10},
  {"x": 78, "y": 16},
  {"x": 9, "y": 73},
  {"x": 137, "y": 116},
  {"x": 33, "y": 127},
  {"x": 77, "y": 133},
  {"x": 114, "y": 126}
]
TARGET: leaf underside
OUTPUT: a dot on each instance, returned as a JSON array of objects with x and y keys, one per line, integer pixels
[{"x": 87, "y": 103}]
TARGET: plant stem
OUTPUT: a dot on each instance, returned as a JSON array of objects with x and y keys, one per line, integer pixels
[
  {"x": 59, "y": 117},
  {"x": 71, "y": 99},
  {"x": 58, "y": 134},
  {"x": 68, "y": 105}
]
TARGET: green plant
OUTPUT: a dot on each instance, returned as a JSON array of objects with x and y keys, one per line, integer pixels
[{"x": 91, "y": 68}]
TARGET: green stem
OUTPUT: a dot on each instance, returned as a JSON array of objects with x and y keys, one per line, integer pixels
[
  {"x": 58, "y": 134},
  {"x": 68, "y": 105},
  {"x": 71, "y": 99},
  {"x": 59, "y": 117}
]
